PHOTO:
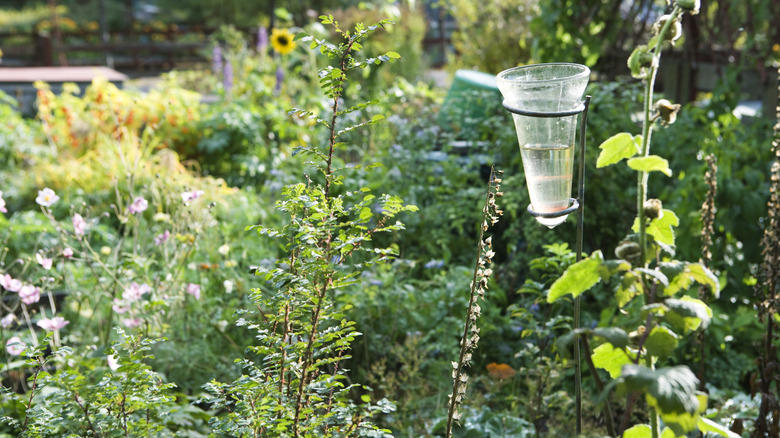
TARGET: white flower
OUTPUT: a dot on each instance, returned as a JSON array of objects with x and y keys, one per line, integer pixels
[
  {"x": 43, "y": 261},
  {"x": 138, "y": 205},
  {"x": 113, "y": 363},
  {"x": 224, "y": 249},
  {"x": 7, "y": 320},
  {"x": 228, "y": 285},
  {"x": 51, "y": 324},
  {"x": 190, "y": 196},
  {"x": 14, "y": 346},
  {"x": 46, "y": 197}
]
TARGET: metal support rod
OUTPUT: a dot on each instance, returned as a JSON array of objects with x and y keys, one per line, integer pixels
[
  {"x": 575, "y": 204},
  {"x": 580, "y": 228}
]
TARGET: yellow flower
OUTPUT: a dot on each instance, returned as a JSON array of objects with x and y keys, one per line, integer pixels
[{"x": 282, "y": 41}]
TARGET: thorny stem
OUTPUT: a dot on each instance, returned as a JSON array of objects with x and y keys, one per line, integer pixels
[{"x": 323, "y": 291}]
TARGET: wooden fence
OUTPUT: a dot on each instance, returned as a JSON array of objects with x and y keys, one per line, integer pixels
[{"x": 159, "y": 48}]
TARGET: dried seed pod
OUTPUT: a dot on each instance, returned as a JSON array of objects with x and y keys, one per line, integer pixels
[{"x": 667, "y": 111}]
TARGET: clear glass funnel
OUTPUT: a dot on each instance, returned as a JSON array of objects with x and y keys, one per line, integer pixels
[{"x": 546, "y": 143}]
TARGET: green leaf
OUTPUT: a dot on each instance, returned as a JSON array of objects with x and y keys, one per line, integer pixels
[
  {"x": 688, "y": 313},
  {"x": 614, "y": 335},
  {"x": 638, "y": 431},
  {"x": 661, "y": 342},
  {"x": 704, "y": 276},
  {"x": 672, "y": 390},
  {"x": 393, "y": 55},
  {"x": 577, "y": 278},
  {"x": 706, "y": 425},
  {"x": 650, "y": 163},
  {"x": 610, "y": 359},
  {"x": 662, "y": 228},
  {"x": 617, "y": 148},
  {"x": 682, "y": 422}
]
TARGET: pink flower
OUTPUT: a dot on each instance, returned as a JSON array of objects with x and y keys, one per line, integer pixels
[
  {"x": 15, "y": 346},
  {"x": 135, "y": 291},
  {"x": 29, "y": 294},
  {"x": 10, "y": 284},
  {"x": 51, "y": 324},
  {"x": 43, "y": 261},
  {"x": 7, "y": 320},
  {"x": 138, "y": 205},
  {"x": 46, "y": 197},
  {"x": 67, "y": 253},
  {"x": 113, "y": 363},
  {"x": 120, "y": 306},
  {"x": 194, "y": 290},
  {"x": 162, "y": 238},
  {"x": 131, "y": 322},
  {"x": 191, "y": 196},
  {"x": 79, "y": 225},
  {"x": 2, "y": 204}
]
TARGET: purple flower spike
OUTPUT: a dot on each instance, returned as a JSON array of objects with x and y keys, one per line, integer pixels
[
  {"x": 279, "y": 79},
  {"x": 262, "y": 39},
  {"x": 228, "y": 79},
  {"x": 216, "y": 60}
]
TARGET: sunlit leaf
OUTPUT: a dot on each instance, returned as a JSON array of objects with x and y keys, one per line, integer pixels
[
  {"x": 577, "y": 278},
  {"x": 652, "y": 163},
  {"x": 661, "y": 342},
  {"x": 610, "y": 359},
  {"x": 617, "y": 148}
]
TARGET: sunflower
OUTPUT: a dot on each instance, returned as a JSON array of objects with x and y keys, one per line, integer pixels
[{"x": 282, "y": 41}]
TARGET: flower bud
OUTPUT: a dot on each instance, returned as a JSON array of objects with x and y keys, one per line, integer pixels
[
  {"x": 692, "y": 6},
  {"x": 639, "y": 61},
  {"x": 675, "y": 29},
  {"x": 667, "y": 111},
  {"x": 628, "y": 250},
  {"x": 654, "y": 209}
]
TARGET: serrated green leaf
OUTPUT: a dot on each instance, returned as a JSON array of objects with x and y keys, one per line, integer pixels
[
  {"x": 651, "y": 163},
  {"x": 610, "y": 359},
  {"x": 577, "y": 278},
  {"x": 661, "y": 342},
  {"x": 616, "y": 148},
  {"x": 706, "y": 425}
]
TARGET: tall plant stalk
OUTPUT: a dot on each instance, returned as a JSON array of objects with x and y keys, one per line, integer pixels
[{"x": 479, "y": 283}]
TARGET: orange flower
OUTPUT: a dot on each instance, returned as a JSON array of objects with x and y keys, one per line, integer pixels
[{"x": 500, "y": 371}]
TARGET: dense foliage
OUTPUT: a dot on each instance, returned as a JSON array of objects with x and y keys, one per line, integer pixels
[{"x": 291, "y": 242}]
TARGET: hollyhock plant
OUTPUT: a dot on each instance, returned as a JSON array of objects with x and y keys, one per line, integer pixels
[
  {"x": 79, "y": 225},
  {"x": 29, "y": 294},
  {"x": 14, "y": 346},
  {"x": 138, "y": 205},
  {"x": 46, "y": 197},
  {"x": 10, "y": 284},
  {"x": 194, "y": 290},
  {"x": 43, "y": 261},
  {"x": 52, "y": 324}
]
